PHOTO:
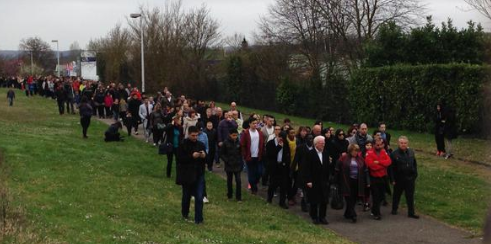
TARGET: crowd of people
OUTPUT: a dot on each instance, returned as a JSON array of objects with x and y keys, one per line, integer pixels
[{"x": 299, "y": 166}]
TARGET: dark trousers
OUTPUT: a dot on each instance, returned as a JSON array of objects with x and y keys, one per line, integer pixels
[
  {"x": 264, "y": 172},
  {"x": 293, "y": 184},
  {"x": 108, "y": 112},
  {"x": 210, "y": 157},
  {"x": 11, "y": 101},
  {"x": 157, "y": 134},
  {"x": 69, "y": 106},
  {"x": 278, "y": 179},
  {"x": 440, "y": 142},
  {"x": 253, "y": 173},
  {"x": 377, "y": 185},
  {"x": 238, "y": 185},
  {"x": 170, "y": 157},
  {"x": 100, "y": 111},
  {"x": 406, "y": 186},
  {"x": 351, "y": 199},
  {"x": 318, "y": 210},
  {"x": 61, "y": 106},
  {"x": 85, "y": 122},
  {"x": 112, "y": 137},
  {"x": 195, "y": 189}
]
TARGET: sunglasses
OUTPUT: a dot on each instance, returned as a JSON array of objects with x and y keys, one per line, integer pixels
[{"x": 341, "y": 135}]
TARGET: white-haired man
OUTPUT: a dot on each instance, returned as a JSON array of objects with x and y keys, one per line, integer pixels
[{"x": 317, "y": 181}]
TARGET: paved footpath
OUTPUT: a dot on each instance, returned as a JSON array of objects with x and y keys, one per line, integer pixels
[{"x": 391, "y": 229}]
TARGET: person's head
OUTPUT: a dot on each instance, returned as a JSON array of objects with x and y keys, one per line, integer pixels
[
  {"x": 233, "y": 134},
  {"x": 219, "y": 112},
  {"x": 233, "y": 106},
  {"x": 287, "y": 121},
  {"x": 208, "y": 112},
  {"x": 403, "y": 143},
  {"x": 253, "y": 124},
  {"x": 363, "y": 129},
  {"x": 353, "y": 150},
  {"x": 382, "y": 127},
  {"x": 268, "y": 121},
  {"x": 377, "y": 133},
  {"x": 119, "y": 125},
  {"x": 192, "y": 114},
  {"x": 209, "y": 125},
  {"x": 319, "y": 143},
  {"x": 316, "y": 130},
  {"x": 326, "y": 133},
  {"x": 340, "y": 134},
  {"x": 291, "y": 133},
  {"x": 332, "y": 130},
  {"x": 286, "y": 127},
  {"x": 368, "y": 145},
  {"x": 193, "y": 132},
  {"x": 145, "y": 99},
  {"x": 379, "y": 144},
  {"x": 235, "y": 114},
  {"x": 84, "y": 100},
  {"x": 158, "y": 107},
  {"x": 302, "y": 132},
  {"x": 277, "y": 130},
  {"x": 200, "y": 126}
]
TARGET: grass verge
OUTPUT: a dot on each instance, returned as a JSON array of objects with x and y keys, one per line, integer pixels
[{"x": 87, "y": 191}]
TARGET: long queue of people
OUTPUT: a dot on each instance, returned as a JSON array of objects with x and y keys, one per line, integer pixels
[{"x": 300, "y": 166}]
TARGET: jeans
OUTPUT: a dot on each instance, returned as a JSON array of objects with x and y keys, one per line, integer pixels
[
  {"x": 61, "y": 106},
  {"x": 170, "y": 157},
  {"x": 253, "y": 173},
  {"x": 238, "y": 184},
  {"x": 69, "y": 106},
  {"x": 11, "y": 101},
  {"x": 194, "y": 189},
  {"x": 351, "y": 199}
]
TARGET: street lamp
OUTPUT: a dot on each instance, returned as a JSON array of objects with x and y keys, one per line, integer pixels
[
  {"x": 134, "y": 16},
  {"x": 58, "y": 51}
]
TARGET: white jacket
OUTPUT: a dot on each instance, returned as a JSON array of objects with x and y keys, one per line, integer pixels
[{"x": 143, "y": 111}]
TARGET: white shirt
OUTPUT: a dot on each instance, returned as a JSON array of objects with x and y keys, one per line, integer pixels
[
  {"x": 254, "y": 143},
  {"x": 319, "y": 153},
  {"x": 279, "y": 157}
]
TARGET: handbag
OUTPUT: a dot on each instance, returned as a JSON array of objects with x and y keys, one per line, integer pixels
[
  {"x": 166, "y": 147},
  {"x": 337, "y": 201}
]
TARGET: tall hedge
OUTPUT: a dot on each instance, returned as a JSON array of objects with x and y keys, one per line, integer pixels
[{"x": 405, "y": 96}]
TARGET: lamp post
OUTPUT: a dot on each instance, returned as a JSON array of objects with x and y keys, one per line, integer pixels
[
  {"x": 58, "y": 57},
  {"x": 134, "y": 16}
]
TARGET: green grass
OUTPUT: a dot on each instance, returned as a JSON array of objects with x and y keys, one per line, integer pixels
[
  {"x": 465, "y": 148},
  {"x": 71, "y": 190},
  {"x": 452, "y": 191}
]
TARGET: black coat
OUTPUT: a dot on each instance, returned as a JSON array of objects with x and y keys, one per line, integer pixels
[
  {"x": 231, "y": 155},
  {"x": 277, "y": 169},
  {"x": 317, "y": 173},
  {"x": 339, "y": 147},
  {"x": 133, "y": 107},
  {"x": 299, "y": 163},
  {"x": 404, "y": 165},
  {"x": 188, "y": 168}
]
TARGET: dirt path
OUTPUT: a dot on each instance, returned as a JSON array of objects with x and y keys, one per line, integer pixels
[{"x": 391, "y": 229}]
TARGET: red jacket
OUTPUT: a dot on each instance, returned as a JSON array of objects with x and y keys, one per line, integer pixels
[
  {"x": 108, "y": 101},
  {"x": 380, "y": 169},
  {"x": 245, "y": 144}
]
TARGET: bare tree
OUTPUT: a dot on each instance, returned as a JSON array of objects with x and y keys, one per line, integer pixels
[
  {"x": 41, "y": 52},
  {"x": 234, "y": 41},
  {"x": 482, "y": 6}
]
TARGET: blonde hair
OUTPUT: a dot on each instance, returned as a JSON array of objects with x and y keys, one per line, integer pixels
[{"x": 353, "y": 147}]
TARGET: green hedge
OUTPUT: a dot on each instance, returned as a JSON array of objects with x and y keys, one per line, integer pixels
[{"x": 406, "y": 96}]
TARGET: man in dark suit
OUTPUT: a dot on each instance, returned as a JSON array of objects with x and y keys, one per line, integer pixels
[
  {"x": 191, "y": 173},
  {"x": 317, "y": 180}
]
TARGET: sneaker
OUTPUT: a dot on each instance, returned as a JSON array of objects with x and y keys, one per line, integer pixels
[
  {"x": 192, "y": 198},
  {"x": 136, "y": 133},
  {"x": 414, "y": 216},
  {"x": 366, "y": 207},
  {"x": 448, "y": 156},
  {"x": 155, "y": 144},
  {"x": 205, "y": 200},
  {"x": 146, "y": 140}
]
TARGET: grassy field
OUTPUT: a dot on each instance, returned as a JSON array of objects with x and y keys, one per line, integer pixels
[
  {"x": 59, "y": 188},
  {"x": 464, "y": 148},
  {"x": 452, "y": 191}
]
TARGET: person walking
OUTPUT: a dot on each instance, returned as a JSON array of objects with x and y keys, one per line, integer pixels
[
  {"x": 10, "y": 97},
  {"x": 86, "y": 112},
  {"x": 352, "y": 177},
  {"x": 231, "y": 156},
  {"x": 316, "y": 179},
  {"x": 377, "y": 161},
  {"x": 173, "y": 137},
  {"x": 144, "y": 113},
  {"x": 278, "y": 161},
  {"x": 403, "y": 174},
  {"x": 450, "y": 131},
  {"x": 190, "y": 174},
  {"x": 252, "y": 145}
]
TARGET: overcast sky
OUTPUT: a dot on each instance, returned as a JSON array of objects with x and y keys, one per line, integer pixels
[{"x": 81, "y": 20}]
